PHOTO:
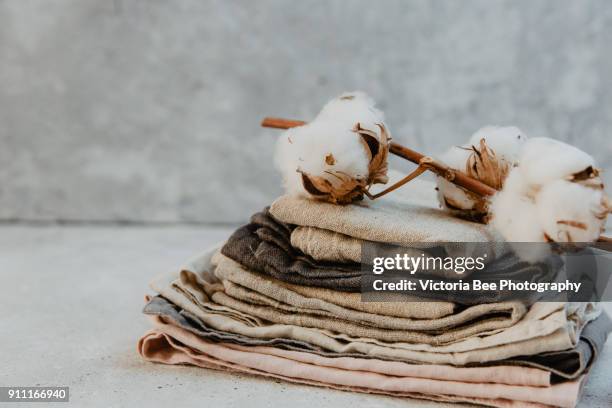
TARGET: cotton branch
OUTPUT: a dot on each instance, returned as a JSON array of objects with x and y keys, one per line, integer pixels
[{"x": 424, "y": 162}]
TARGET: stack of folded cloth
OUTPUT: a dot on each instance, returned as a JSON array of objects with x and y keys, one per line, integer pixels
[{"x": 281, "y": 298}]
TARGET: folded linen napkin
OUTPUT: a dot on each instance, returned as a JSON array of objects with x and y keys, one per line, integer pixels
[
  {"x": 264, "y": 246},
  {"x": 542, "y": 319},
  {"x": 161, "y": 348},
  {"x": 563, "y": 365},
  {"x": 401, "y": 218},
  {"x": 303, "y": 366},
  {"x": 255, "y": 288},
  {"x": 325, "y": 245},
  {"x": 546, "y": 327},
  {"x": 163, "y": 311}
]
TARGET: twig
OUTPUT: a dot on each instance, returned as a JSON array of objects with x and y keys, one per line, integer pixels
[
  {"x": 424, "y": 163},
  {"x": 416, "y": 173}
]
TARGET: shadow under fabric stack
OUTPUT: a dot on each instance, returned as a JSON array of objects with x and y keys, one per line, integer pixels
[{"x": 281, "y": 298}]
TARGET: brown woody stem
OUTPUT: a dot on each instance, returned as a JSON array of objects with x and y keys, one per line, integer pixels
[
  {"x": 416, "y": 173},
  {"x": 454, "y": 176}
]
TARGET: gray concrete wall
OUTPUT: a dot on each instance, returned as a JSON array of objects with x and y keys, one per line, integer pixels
[{"x": 149, "y": 110}]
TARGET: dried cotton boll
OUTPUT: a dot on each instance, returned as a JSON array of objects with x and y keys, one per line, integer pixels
[
  {"x": 488, "y": 157},
  {"x": 571, "y": 212},
  {"x": 327, "y": 160},
  {"x": 515, "y": 215},
  {"x": 494, "y": 152},
  {"x": 554, "y": 195}
]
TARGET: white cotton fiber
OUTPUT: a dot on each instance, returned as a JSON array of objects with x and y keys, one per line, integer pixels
[
  {"x": 456, "y": 157},
  {"x": 331, "y": 153},
  {"x": 453, "y": 197},
  {"x": 505, "y": 141},
  {"x": 542, "y": 200},
  {"x": 312, "y": 147},
  {"x": 570, "y": 212},
  {"x": 544, "y": 160},
  {"x": 450, "y": 195},
  {"x": 516, "y": 184},
  {"x": 350, "y": 108},
  {"x": 515, "y": 214}
]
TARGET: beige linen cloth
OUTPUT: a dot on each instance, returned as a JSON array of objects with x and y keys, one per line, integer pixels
[
  {"x": 545, "y": 327},
  {"x": 326, "y": 245},
  {"x": 297, "y": 366},
  {"x": 403, "y": 218},
  {"x": 256, "y": 289}
]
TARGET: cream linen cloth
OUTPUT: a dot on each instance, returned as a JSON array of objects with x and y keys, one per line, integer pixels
[
  {"x": 405, "y": 217},
  {"x": 258, "y": 289},
  {"x": 545, "y": 327},
  {"x": 330, "y": 372},
  {"x": 325, "y": 245},
  {"x": 409, "y": 215}
]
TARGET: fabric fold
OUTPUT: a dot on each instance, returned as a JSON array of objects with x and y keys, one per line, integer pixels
[
  {"x": 562, "y": 395},
  {"x": 547, "y": 327},
  {"x": 563, "y": 365},
  {"x": 238, "y": 281},
  {"x": 263, "y": 246}
]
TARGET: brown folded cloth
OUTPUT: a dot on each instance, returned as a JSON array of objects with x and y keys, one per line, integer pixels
[{"x": 264, "y": 245}]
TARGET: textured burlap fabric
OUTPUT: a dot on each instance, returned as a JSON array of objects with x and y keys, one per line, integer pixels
[{"x": 302, "y": 366}]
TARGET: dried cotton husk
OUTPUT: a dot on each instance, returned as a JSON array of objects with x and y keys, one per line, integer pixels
[
  {"x": 555, "y": 195},
  {"x": 339, "y": 155},
  {"x": 488, "y": 157}
]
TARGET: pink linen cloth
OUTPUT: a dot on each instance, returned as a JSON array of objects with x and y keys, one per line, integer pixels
[{"x": 161, "y": 345}]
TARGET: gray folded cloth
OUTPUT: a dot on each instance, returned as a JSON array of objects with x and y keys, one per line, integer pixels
[
  {"x": 264, "y": 245},
  {"x": 570, "y": 364},
  {"x": 564, "y": 365}
]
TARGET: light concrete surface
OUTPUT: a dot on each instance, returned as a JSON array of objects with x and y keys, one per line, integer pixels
[
  {"x": 150, "y": 109},
  {"x": 71, "y": 299}
]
